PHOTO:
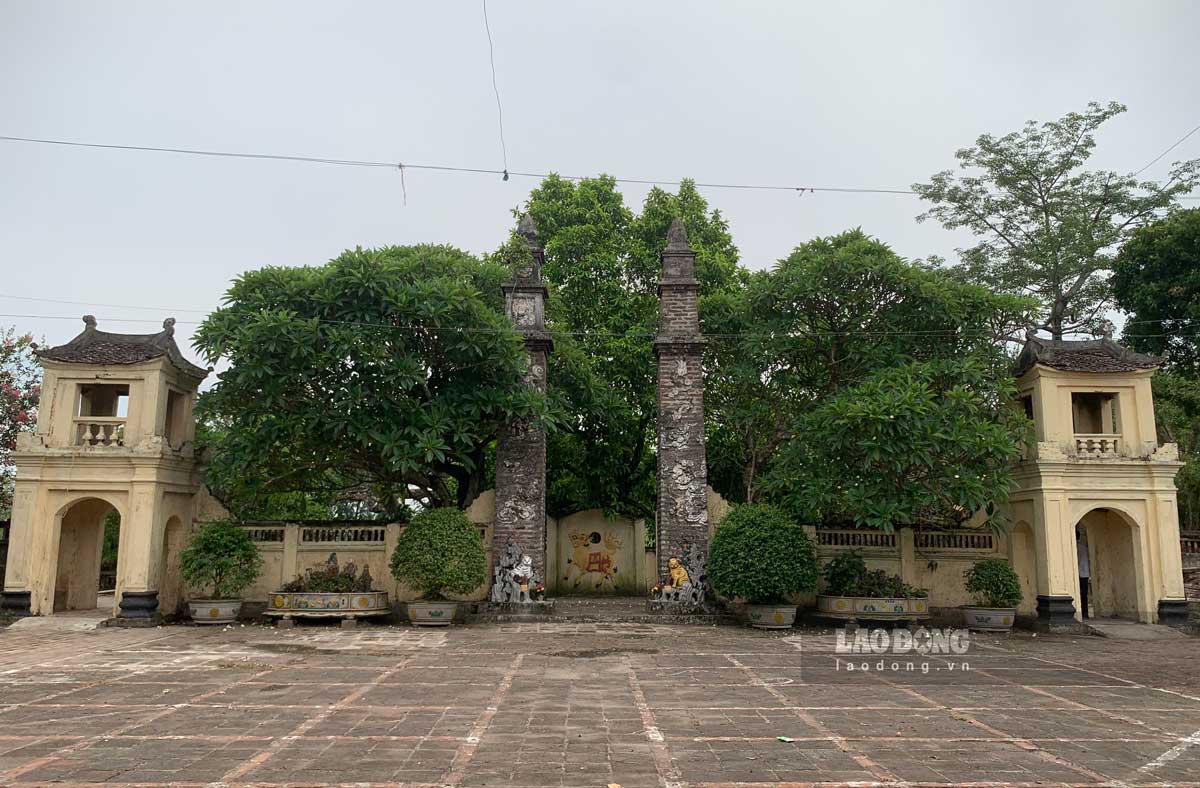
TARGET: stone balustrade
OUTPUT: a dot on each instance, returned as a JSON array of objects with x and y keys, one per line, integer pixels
[
  {"x": 100, "y": 431},
  {"x": 1097, "y": 445}
]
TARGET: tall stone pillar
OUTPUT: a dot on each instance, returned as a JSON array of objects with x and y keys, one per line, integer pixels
[
  {"x": 521, "y": 447},
  {"x": 682, "y": 515}
]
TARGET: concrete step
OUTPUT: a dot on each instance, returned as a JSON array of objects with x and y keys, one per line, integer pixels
[
  {"x": 70, "y": 621},
  {"x": 591, "y": 610},
  {"x": 1120, "y": 629}
]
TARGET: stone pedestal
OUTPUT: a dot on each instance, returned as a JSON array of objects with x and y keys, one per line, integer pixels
[
  {"x": 16, "y": 603},
  {"x": 682, "y": 514},
  {"x": 521, "y": 447}
]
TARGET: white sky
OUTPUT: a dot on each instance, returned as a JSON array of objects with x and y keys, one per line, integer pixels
[{"x": 867, "y": 94}]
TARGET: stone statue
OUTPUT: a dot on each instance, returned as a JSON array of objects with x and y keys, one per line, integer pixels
[
  {"x": 512, "y": 576},
  {"x": 679, "y": 575},
  {"x": 683, "y": 589}
]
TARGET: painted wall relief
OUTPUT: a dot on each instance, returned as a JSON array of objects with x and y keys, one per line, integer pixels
[{"x": 595, "y": 560}]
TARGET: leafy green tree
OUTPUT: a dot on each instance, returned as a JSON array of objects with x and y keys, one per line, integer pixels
[
  {"x": 222, "y": 557},
  {"x": 387, "y": 369},
  {"x": 440, "y": 552},
  {"x": 1177, "y": 415},
  {"x": 843, "y": 331},
  {"x": 602, "y": 267},
  {"x": 1157, "y": 281},
  {"x": 736, "y": 565},
  {"x": 1047, "y": 227},
  {"x": 20, "y": 389}
]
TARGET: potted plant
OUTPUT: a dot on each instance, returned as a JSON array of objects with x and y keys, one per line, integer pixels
[
  {"x": 330, "y": 590},
  {"x": 220, "y": 557},
  {"x": 852, "y": 591},
  {"x": 439, "y": 552},
  {"x": 998, "y": 590},
  {"x": 759, "y": 554}
]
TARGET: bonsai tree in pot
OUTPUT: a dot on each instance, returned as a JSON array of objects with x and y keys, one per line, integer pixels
[
  {"x": 759, "y": 554},
  {"x": 853, "y": 591},
  {"x": 439, "y": 552},
  {"x": 220, "y": 557},
  {"x": 997, "y": 589}
]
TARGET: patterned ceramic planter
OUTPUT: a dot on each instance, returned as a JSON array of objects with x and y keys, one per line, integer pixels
[
  {"x": 771, "y": 616},
  {"x": 873, "y": 608},
  {"x": 432, "y": 614},
  {"x": 989, "y": 619},
  {"x": 322, "y": 605},
  {"x": 214, "y": 611}
]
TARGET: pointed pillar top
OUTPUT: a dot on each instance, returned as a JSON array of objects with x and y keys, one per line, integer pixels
[
  {"x": 677, "y": 240},
  {"x": 528, "y": 229}
]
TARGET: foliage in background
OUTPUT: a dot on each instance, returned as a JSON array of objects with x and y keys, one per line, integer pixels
[
  {"x": 849, "y": 385},
  {"x": 994, "y": 583},
  {"x": 761, "y": 555},
  {"x": 440, "y": 552},
  {"x": 1047, "y": 227},
  {"x": 1177, "y": 416},
  {"x": 112, "y": 540},
  {"x": 385, "y": 372},
  {"x": 221, "y": 557},
  {"x": 329, "y": 578},
  {"x": 20, "y": 388},
  {"x": 847, "y": 575},
  {"x": 1157, "y": 281},
  {"x": 602, "y": 267}
]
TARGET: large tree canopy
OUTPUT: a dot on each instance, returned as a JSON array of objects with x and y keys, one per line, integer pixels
[
  {"x": 1047, "y": 227},
  {"x": 387, "y": 370},
  {"x": 602, "y": 267},
  {"x": 1157, "y": 280},
  {"x": 854, "y": 386}
]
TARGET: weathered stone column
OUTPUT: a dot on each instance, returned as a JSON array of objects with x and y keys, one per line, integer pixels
[
  {"x": 682, "y": 515},
  {"x": 521, "y": 447}
]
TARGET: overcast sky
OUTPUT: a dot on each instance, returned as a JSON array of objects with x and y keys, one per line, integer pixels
[{"x": 864, "y": 94}]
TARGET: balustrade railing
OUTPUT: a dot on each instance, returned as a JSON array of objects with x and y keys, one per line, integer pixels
[
  {"x": 1097, "y": 445},
  {"x": 927, "y": 541},
  {"x": 100, "y": 431},
  {"x": 852, "y": 539}
]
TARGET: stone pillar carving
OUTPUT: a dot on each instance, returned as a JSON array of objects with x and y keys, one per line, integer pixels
[
  {"x": 521, "y": 446},
  {"x": 682, "y": 515}
]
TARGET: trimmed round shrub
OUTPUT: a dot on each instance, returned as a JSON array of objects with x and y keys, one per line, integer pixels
[
  {"x": 440, "y": 552},
  {"x": 222, "y": 557},
  {"x": 759, "y": 554},
  {"x": 994, "y": 583}
]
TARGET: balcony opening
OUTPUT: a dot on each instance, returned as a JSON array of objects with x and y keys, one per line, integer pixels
[
  {"x": 100, "y": 419},
  {"x": 1096, "y": 423}
]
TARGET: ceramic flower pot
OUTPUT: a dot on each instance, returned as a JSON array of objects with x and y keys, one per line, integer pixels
[
  {"x": 328, "y": 605},
  {"x": 214, "y": 611},
  {"x": 989, "y": 619},
  {"x": 771, "y": 616},
  {"x": 432, "y": 614}
]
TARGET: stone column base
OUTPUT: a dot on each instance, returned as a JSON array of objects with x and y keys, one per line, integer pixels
[
  {"x": 17, "y": 603},
  {"x": 1173, "y": 612},
  {"x": 139, "y": 606},
  {"x": 1056, "y": 612}
]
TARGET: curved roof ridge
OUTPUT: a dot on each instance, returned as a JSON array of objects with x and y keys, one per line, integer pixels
[{"x": 94, "y": 346}]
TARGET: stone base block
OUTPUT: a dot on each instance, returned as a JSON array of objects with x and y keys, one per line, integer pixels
[
  {"x": 285, "y": 623},
  {"x": 17, "y": 603},
  {"x": 349, "y": 623},
  {"x": 139, "y": 606},
  {"x": 1173, "y": 612},
  {"x": 1056, "y": 614}
]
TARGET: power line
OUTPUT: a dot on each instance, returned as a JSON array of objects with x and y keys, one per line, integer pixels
[
  {"x": 495, "y": 88},
  {"x": 441, "y": 167},
  {"x": 1168, "y": 150}
]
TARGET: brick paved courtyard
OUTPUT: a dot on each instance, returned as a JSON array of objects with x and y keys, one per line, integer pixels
[{"x": 585, "y": 705}]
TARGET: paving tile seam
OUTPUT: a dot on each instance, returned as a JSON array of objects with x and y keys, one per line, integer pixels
[
  {"x": 874, "y": 769},
  {"x": 465, "y": 754},
  {"x": 308, "y": 724}
]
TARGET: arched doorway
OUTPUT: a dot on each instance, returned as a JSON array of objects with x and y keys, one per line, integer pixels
[
  {"x": 1109, "y": 537},
  {"x": 82, "y": 553},
  {"x": 1022, "y": 554},
  {"x": 170, "y": 583}
]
